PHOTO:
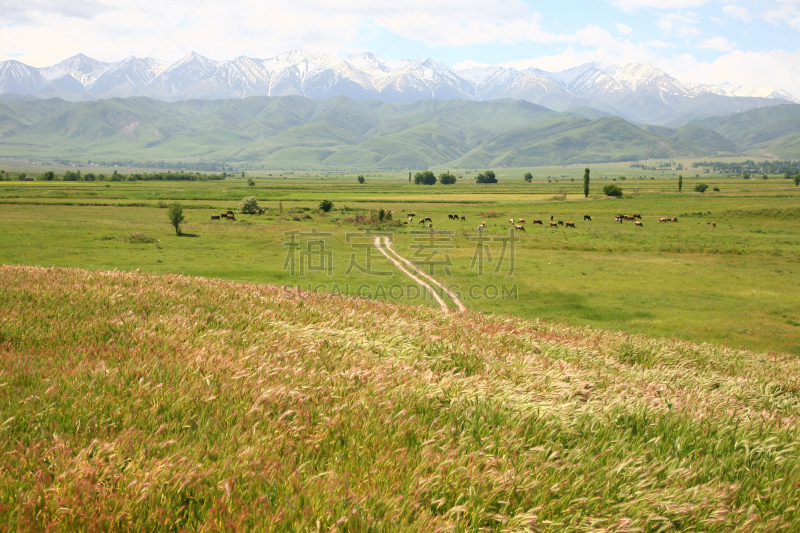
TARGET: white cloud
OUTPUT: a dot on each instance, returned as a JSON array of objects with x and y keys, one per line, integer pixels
[
  {"x": 775, "y": 68},
  {"x": 632, "y": 5},
  {"x": 717, "y": 43},
  {"x": 788, "y": 12},
  {"x": 739, "y": 12},
  {"x": 623, "y": 29},
  {"x": 680, "y": 24}
]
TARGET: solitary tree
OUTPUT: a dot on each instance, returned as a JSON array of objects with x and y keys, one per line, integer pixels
[
  {"x": 700, "y": 187},
  {"x": 528, "y": 177},
  {"x": 409, "y": 177},
  {"x": 425, "y": 178},
  {"x": 247, "y": 205},
  {"x": 797, "y": 180},
  {"x": 175, "y": 214},
  {"x": 486, "y": 177},
  {"x": 586, "y": 183},
  {"x": 446, "y": 178},
  {"x": 612, "y": 190},
  {"x": 680, "y": 183},
  {"x": 326, "y": 205},
  {"x": 251, "y": 182},
  {"x": 360, "y": 178}
]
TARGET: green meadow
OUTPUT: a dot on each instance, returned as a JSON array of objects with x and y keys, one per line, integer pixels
[{"x": 733, "y": 284}]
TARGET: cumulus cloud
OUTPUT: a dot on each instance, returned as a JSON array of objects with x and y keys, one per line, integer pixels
[
  {"x": 739, "y": 12},
  {"x": 633, "y": 5},
  {"x": 680, "y": 24},
  {"x": 717, "y": 43}
]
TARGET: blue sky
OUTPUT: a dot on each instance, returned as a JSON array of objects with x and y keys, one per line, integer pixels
[{"x": 746, "y": 42}]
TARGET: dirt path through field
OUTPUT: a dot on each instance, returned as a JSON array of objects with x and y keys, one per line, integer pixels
[{"x": 382, "y": 243}]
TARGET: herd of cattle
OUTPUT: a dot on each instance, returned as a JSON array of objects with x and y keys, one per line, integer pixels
[{"x": 518, "y": 223}]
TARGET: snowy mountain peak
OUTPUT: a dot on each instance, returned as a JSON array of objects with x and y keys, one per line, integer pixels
[{"x": 638, "y": 91}]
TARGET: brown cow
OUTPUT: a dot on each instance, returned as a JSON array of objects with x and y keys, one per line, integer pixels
[
  {"x": 673, "y": 219},
  {"x": 411, "y": 214},
  {"x": 570, "y": 224},
  {"x": 521, "y": 221},
  {"x": 638, "y": 216},
  {"x": 553, "y": 225},
  {"x": 714, "y": 224},
  {"x": 229, "y": 212},
  {"x": 537, "y": 221},
  {"x": 629, "y": 217},
  {"x": 639, "y": 224},
  {"x": 230, "y": 217},
  {"x": 422, "y": 220},
  {"x": 463, "y": 218},
  {"x": 560, "y": 222},
  {"x": 519, "y": 227},
  {"x": 663, "y": 220},
  {"x": 214, "y": 217},
  {"x": 428, "y": 219}
]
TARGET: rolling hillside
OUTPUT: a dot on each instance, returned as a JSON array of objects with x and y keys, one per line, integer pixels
[
  {"x": 144, "y": 402},
  {"x": 340, "y": 132}
]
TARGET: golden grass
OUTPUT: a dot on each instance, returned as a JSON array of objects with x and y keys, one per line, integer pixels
[{"x": 133, "y": 401}]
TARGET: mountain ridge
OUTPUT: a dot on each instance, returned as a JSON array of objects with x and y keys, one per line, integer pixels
[{"x": 638, "y": 92}]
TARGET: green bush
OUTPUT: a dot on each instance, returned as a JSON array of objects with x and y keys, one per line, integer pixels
[
  {"x": 361, "y": 179},
  {"x": 700, "y": 187},
  {"x": 425, "y": 178},
  {"x": 486, "y": 177},
  {"x": 251, "y": 182},
  {"x": 248, "y": 204},
  {"x": 326, "y": 205},
  {"x": 716, "y": 189},
  {"x": 612, "y": 190},
  {"x": 447, "y": 178},
  {"x": 528, "y": 177}
]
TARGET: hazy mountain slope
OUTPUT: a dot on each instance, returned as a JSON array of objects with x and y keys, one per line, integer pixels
[
  {"x": 757, "y": 126},
  {"x": 337, "y": 132}
]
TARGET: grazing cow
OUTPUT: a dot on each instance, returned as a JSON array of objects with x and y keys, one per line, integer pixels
[
  {"x": 663, "y": 220},
  {"x": 629, "y": 217},
  {"x": 422, "y": 220},
  {"x": 229, "y": 212},
  {"x": 587, "y": 217},
  {"x": 411, "y": 214},
  {"x": 481, "y": 226},
  {"x": 553, "y": 225},
  {"x": 551, "y": 217},
  {"x": 570, "y": 224},
  {"x": 511, "y": 220},
  {"x": 560, "y": 222},
  {"x": 230, "y": 217},
  {"x": 428, "y": 219},
  {"x": 430, "y": 225},
  {"x": 405, "y": 223},
  {"x": 618, "y": 219},
  {"x": 638, "y": 216},
  {"x": 214, "y": 217},
  {"x": 537, "y": 221},
  {"x": 639, "y": 224},
  {"x": 253, "y": 212},
  {"x": 463, "y": 218},
  {"x": 714, "y": 224},
  {"x": 673, "y": 219},
  {"x": 519, "y": 227},
  {"x": 223, "y": 215},
  {"x": 449, "y": 217},
  {"x": 521, "y": 221},
  {"x": 410, "y": 220}
]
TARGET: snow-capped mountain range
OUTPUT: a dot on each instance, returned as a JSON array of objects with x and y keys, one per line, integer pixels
[{"x": 637, "y": 91}]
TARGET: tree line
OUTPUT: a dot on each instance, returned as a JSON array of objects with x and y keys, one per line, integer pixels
[{"x": 76, "y": 175}]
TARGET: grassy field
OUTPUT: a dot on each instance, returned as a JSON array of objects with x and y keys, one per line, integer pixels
[
  {"x": 156, "y": 402},
  {"x": 735, "y": 284}
]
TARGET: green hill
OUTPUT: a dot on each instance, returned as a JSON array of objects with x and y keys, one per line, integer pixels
[
  {"x": 336, "y": 133},
  {"x": 758, "y": 127}
]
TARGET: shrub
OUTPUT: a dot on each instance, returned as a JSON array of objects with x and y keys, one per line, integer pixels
[
  {"x": 612, "y": 190},
  {"x": 797, "y": 180},
  {"x": 700, "y": 187},
  {"x": 139, "y": 238},
  {"x": 528, "y": 177},
  {"x": 716, "y": 189},
  {"x": 326, "y": 205},
  {"x": 361, "y": 179},
  {"x": 486, "y": 177},
  {"x": 425, "y": 178},
  {"x": 248, "y": 204},
  {"x": 251, "y": 182},
  {"x": 764, "y": 177},
  {"x": 447, "y": 178}
]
